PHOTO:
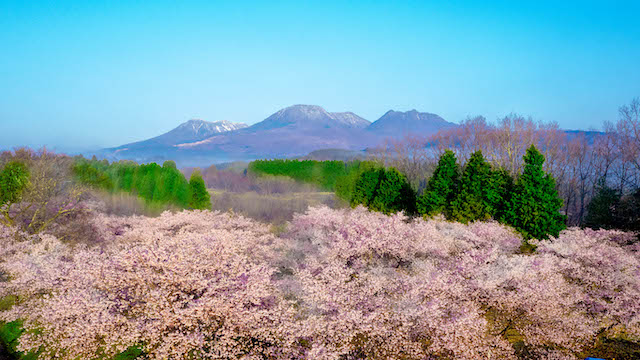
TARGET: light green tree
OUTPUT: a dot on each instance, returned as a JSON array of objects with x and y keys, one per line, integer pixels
[{"x": 200, "y": 198}]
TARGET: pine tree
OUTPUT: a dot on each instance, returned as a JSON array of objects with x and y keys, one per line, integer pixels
[
  {"x": 498, "y": 194},
  {"x": 365, "y": 187},
  {"x": 200, "y": 198},
  {"x": 472, "y": 198},
  {"x": 393, "y": 194},
  {"x": 384, "y": 190},
  {"x": 535, "y": 204},
  {"x": 628, "y": 215},
  {"x": 602, "y": 211},
  {"x": 346, "y": 184},
  {"x": 441, "y": 188}
]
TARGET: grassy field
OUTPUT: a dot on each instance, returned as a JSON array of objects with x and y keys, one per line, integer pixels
[{"x": 274, "y": 208}]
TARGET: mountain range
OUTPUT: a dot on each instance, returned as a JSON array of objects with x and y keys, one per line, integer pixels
[{"x": 293, "y": 131}]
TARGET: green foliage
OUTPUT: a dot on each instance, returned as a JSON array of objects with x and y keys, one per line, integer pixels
[
  {"x": 155, "y": 184},
  {"x": 474, "y": 190},
  {"x": 9, "y": 334},
  {"x": 325, "y": 174},
  {"x": 133, "y": 352},
  {"x": 535, "y": 204},
  {"x": 170, "y": 164},
  {"x": 200, "y": 198},
  {"x": 482, "y": 192},
  {"x": 365, "y": 186},
  {"x": 384, "y": 190},
  {"x": 498, "y": 195},
  {"x": 335, "y": 176},
  {"x": 345, "y": 184},
  {"x": 441, "y": 188},
  {"x": 14, "y": 179},
  {"x": 603, "y": 209},
  {"x": 92, "y": 174},
  {"x": 609, "y": 210}
]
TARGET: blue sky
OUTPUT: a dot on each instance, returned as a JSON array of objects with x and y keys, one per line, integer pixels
[{"x": 88, "y": 74}]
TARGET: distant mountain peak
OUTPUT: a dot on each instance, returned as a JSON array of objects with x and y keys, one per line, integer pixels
[
  {"x": 302, "y": 110},
  {"x": 197, "y": 129},
  {"x": 311, "y": 117},
  {"x": 400, "y": 123},
  {"x": 292, "y": 131}
]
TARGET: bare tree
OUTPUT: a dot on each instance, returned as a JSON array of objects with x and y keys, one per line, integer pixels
[{"x": 51, "y": 195}]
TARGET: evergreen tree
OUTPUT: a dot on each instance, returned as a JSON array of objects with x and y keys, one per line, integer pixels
[
  {"x": 200, "y": 198},
  {"x": 441, "y": 188},
  {"x": 346, "y": 183},
  {"x": 394, "y": 193},
  {"x": 471, "y": 201},
  {"x": 384, "y": 190},
  {"x": 628, "y": 216},
  {"x": 365, "y": 187},
  {"x": 498, "y": 194},
  {"x": 602, "y": 211},
  {"x": 535, "y": 204}
]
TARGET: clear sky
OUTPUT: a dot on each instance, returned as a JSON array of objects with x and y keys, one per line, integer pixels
[{"x": 88, "y": 74}]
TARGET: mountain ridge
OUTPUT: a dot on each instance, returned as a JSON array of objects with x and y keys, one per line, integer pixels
[{"x": 296, "y": 130}]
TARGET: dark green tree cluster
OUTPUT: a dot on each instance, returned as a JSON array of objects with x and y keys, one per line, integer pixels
[
  {"x": 482, "y": 192},
  {"x": 154, "y": 183},
  {"x": 384, "y": 190},
  {"x": 609, "y": 209},
  {"x": 530, "y": 204},
  {"x": 345, "y": 184}
]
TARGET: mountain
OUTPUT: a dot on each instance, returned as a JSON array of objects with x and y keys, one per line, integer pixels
[
  {"x": 397, "y": 124},
  {"x": 310, "y": 117},
  {"x": 194, "y": 130},
  {"x": 294, "y": 131},
  {"x": 162, "y": 147}
]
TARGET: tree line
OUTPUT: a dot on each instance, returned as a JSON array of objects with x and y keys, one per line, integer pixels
[
  {"x": 154, "y": 183},
  {"x": 581, "y": 162},
  {"x": 528, "y": 202},
  {"x": 324, "y": 174}
]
